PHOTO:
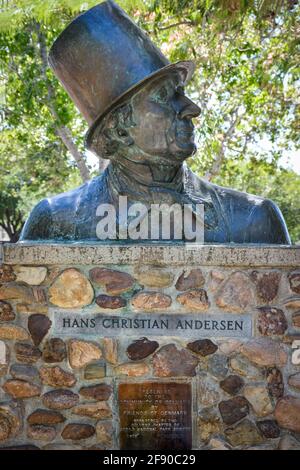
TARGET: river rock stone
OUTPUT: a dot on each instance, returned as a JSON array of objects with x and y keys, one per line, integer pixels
[
  {"x": 294, "y": 280},
  {"x": 27, "y": 353},
  {"x": 141, "y": 348},
  {"x": 45, "y": 417},
  {"x": 15, "y": 292},
  {"x": 207, "y": 390},
  {"x": 275, "y": 382},
  {"x": 292, "y": 302},
  {"x": 265, "y": 352},
  {"x": 259, "y": 399},
  {"x": 191, "y": 280},
  {"x": 32, "y": 275},
  {"x": 218, "y": 365},
  {"x": 3, "y": 369},
  {"x": 234, "y": 410},
  {"x": 216, "y": 279},
  {"x": 131, "y": 369},
  {"x": 31, "y": 308},
  {"x": 294, "y": 381},
  {"x": 230, "y": 346},
  {"x": 194, "y": 299},
  {"x": 3, "y": 354},
  {"x": 82, "y": 353},
  {"x": 6, "y": 312},
  {"x": 71, "y": 289},
  {"x": 24, "y": 372},
  {"x": 110, "y": 349},
  {"x": 53, "y": 273},
  {"x": 149, "y": 301},
  {"x": 243, "y": 434},
  {"x": 293, "y": 340},
  {"x": 54, "y": 350},
  {"x": 13, "y": 332},
  {"x": 203, "y": 347},
  {"x": 241, "y": 366},
  {"x": 60, "y": 399},
  {"x": 154, "y": 277},
  {"x": 115, "y": 282},
  {"x": 232, "y": 384},
  {"x": 287, "y": 413},
  {"x": 209, "y": 424},
  {"x": 57, "y": 377},
  {"x": 98, "y": 410},
  {"x": 269, "y": 428},
  {"x": 95, "y": 370},
  {"x": 172, "y": 362},
  {"x": 10, "y": 421},
  {"x": 288, "y": 442},
  {"x": 104, "y": 432},
  {"x": 38, "y": 326},
  {"x": 109, "y": 301},
  {"x": 296, "y": 319},
  {"x": 96, "y": 392},
  {"x": 267, "y": 285},
  {"x": 6, "y": 273},
  {"x": 271, "y": 321},
  {"x": 39, "y": 294},
  {"x": 236, "y": 294},
  {"x": 40, "y": 432},
  {"x": 21, "y": 388},
  {"x": 4, "y": 428},
  {"x": 4, "y": 358},
  {"x": 218, "y": 444},
  {"x": 78, "y": 431}
]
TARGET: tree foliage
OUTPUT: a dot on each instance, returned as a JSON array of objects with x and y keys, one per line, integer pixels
[{"x": 246, "y": 83}]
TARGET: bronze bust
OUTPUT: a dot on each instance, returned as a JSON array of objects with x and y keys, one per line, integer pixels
[{"x": 133, "y": 100}]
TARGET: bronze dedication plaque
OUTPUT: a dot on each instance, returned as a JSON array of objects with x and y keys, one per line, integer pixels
[{"x": 155, "y": 416}]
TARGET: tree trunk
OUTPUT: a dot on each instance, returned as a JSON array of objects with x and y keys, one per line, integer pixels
[
  {"x": 62, "y": 131},
  {"x": 12, "y": 232},
  {"x": 217, "y": 163},
  {"x": 65, "y": 135}
]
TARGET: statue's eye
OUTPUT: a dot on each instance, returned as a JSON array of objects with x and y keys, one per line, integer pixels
[{"x": 162, "y": 95}]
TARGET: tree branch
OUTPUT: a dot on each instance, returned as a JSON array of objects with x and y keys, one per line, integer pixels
[
  {"x": 217, "y": 163},
  {"x": 174, "y": 25},
  {"x": 62, "y": 131}
]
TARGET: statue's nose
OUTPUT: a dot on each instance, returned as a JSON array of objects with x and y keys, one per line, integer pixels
[{"x": 186, "y": 108}]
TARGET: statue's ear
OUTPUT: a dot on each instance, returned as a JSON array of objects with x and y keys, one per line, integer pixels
[{"x": 115, "y": 131}]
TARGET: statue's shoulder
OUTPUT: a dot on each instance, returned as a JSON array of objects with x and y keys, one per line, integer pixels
[
  {"x": 38, "y": 224},
  {"x": 250, "y": 218},
  {"x": 55, "y": 217}
]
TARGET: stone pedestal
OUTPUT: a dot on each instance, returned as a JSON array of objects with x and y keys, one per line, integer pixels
[{"x": 207, "y": 339}]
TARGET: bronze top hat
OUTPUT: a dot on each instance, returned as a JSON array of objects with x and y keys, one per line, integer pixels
[{"x": 103, "y": 57}]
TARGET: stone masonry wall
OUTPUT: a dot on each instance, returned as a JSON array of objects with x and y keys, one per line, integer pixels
[{"x": 61, "y": 392}]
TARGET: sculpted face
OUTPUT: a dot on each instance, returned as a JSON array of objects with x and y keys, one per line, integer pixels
[{"x": 163, "y": 129}]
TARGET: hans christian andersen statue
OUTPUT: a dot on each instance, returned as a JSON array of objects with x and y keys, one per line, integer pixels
[{"x": 139, "y": 117}]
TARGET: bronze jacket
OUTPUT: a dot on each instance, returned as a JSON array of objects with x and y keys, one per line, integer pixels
[{"x": 230, "y": 216}]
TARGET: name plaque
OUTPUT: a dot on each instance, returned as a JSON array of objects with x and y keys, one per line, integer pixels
[
  {"x": 190, "y": 325},
  {"x": 155, "y": 416}
]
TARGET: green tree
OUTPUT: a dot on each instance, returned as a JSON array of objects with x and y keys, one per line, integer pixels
[
  {"x": 246, "y": 83},
  {"x": 260, "y": 176}
]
